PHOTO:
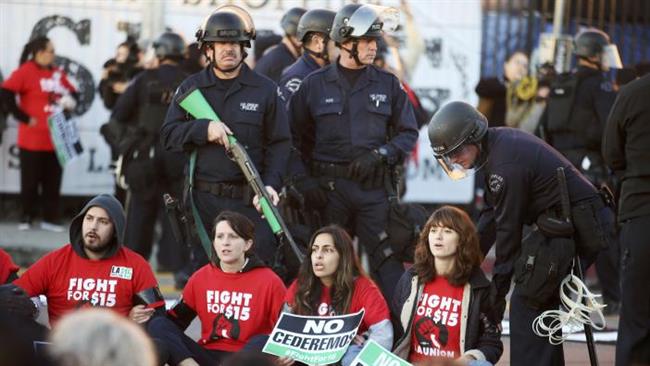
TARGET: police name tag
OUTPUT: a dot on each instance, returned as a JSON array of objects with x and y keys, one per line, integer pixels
[{"x": 125, "y": 273}]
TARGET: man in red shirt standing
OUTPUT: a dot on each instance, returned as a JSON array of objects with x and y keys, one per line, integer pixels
[{"x": 94, "y": 269}]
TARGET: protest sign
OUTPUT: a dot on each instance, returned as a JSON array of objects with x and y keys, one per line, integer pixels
[
  {"x": 373, "y": 354},
  {"x": 65, "y": 137},
  {"x": 313, "y": 340}
]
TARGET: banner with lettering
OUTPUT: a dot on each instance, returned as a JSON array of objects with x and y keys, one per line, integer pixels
[
  {"x": 373, "y": 354},
  {"x": 313, "y": 340},
  {"x": 65, "y": 137}
]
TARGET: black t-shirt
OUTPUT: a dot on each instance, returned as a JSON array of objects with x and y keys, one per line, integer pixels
[{"x": 351, "y": 75}]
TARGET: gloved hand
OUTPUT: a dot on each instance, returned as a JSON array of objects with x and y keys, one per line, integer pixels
[
  {"x": 309, "y": 187},
  {"x": 365, "y": 167},
  {"x": 14, "y": 300}
]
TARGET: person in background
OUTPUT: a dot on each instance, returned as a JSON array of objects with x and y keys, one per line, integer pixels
[
  {"x": 332, "y": 282},
  {"x": 446, "y": 284},
  {"x": 8, "y": 269},
  {"x": 277, "y": 58},
  {"x": 43, "y": 89}
]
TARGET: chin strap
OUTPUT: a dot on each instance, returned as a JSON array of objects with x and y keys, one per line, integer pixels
[
  {"x": 354, "y": 52},
  {"x": 214, "y": 65}
]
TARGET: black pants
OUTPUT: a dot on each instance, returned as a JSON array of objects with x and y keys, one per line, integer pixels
[
  {"x": 365, "y": 214},
  {"x": 40, "y": 170},
  {"x": 178, "y": 346},
  {"x": 210, "y": 206},
  {"x": 527, "y": 348},
  {"x": 633, "y": 344}
]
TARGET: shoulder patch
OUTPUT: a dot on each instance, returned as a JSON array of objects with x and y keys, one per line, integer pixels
[
  {"x": 496, "y": 183},
  {"x": 293, "y": 84},
  {"x": 606, "y": 86}
]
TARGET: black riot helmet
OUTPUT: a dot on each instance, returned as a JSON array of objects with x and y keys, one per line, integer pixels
[
  {"x": 169, "y": 45},
  {"x": 596, "y": 43},
  {"x": 290, "y": 20},
  {"x": 228, "y": 23},
  {"x": 455, "y": 125},
  {"x": 356, "y": 21},
  {"x": 315, "y": 20}
]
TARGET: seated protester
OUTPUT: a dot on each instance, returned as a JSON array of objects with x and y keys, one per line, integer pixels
[
  {"x": 332, "y": 282},
  {"x": 95, "y": 270},
  {"x": 8, "y": 269},
  {"x": 235, "y": 296},
  {"x": 444, "y": 287}
]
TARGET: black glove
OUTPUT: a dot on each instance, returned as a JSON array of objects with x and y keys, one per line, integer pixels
[
  {"x": 365, "y": 167},
  {"x": 14, "y": 300},
  {"x": 315, "y": 197}
]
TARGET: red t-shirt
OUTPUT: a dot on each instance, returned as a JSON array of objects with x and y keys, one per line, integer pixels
[
  {"x": 38, "y": 89},
  {"x": 366, "y": 296},
  {"x": 436, "y": 324},
  {"x": 233, "y": 307},
  {"x": 70, "y": 281},
  {"x": 7, "y": 266}
]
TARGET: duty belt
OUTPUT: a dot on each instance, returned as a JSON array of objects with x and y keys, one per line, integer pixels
[
  {"x": 229, "y": 190},
  {"x": 334, "y": 170}
]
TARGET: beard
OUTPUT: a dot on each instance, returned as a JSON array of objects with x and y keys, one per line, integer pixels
[{"x": 95, "y": 243}]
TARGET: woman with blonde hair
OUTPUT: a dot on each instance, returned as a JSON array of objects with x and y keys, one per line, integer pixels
[{"x": 442, "y": 302}]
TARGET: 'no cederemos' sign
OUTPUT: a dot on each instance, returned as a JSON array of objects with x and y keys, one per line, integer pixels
[
  {"x": 313, "y": 340},
  {"x": 373, "y": 354}
]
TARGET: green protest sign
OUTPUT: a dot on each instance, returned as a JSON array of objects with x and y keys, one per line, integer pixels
[
  {"x": 65, "y": 137},
  {"x": 373, "y": 354},
  {"x": 313, "y": 340}
]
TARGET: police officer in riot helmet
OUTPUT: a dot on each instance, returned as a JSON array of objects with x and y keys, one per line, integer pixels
[
  {"x": 314, "y": 34},
  {"x": 285, "y": 53},
  {"x": 249, "y": 108},
  {"x": 351, "y": 123},
  {"x": 573, "y": 124},
  {"x": 148, "y": 169},
  {"x": 520, "y": 172}
]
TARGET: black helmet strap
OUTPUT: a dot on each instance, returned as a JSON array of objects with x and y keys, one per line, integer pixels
[
  {"x": 354, "y": 51},
  {"x": 213, "y": 63},
  {"x": 324, "y": 55}
]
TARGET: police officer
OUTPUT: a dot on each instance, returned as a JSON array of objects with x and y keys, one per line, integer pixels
[
  {"x": 351, "y": 122},
  {"x": 626, "y": 148},
  {"x": 284, "y": 53},
  {"x": 520, "y": 172},
  {"x": 249, "y": 106},
  {"x": 573, "y": 124},
  {"x": 313, "y": 32},
  {"x": 150, "y": 170}
]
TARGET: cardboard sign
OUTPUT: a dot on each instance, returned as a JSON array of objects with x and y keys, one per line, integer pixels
[{"x": 65, "y": 137}]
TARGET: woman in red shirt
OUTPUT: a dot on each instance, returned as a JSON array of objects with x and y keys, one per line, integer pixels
[
  {"x": 443, "y": 300},
  {"x": 236, "y": 297},
  {"x": 331, "y": 282},
  {"x": 42, "y": 89}
]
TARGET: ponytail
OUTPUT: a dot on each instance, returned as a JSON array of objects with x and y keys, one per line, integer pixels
[{"x": 33, "y": 46}]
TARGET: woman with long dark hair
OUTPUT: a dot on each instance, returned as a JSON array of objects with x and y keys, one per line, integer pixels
[
  {"x": 235, "y": 297},
  {"x": 443, "y": 300},
  {"x": 331, "y": 282},
  {"x": 42, "y": 89}
]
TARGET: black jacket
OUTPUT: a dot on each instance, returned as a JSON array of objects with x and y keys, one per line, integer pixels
[
  {"x": 626, "y": 147},
  {"x": 481, "y": 337}
]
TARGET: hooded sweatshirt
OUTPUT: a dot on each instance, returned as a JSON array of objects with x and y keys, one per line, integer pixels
[{"x": 70, "y": 280}]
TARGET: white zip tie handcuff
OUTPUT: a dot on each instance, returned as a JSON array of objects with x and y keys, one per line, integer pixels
[{"x": 557, "y": 325}]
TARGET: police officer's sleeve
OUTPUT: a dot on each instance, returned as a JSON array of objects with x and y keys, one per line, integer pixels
[
  {"x": 277, "y": 143},
  {"x": 302, "y": 127},
  {"x": 613, "y": 147},
  {"x": 127, "y": 104},
  {"x": 180, "y": 132},
  {"x": 402, "y": 122},
  {"x": 509, "y": 186}
]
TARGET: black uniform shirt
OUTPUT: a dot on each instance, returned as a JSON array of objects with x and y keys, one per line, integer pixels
[
  {"x": 521, "y": 177},
  {"x": 275, "y": 61},
  {"x": 626, "y": 147},
  {"x": 253, "y": 111}
]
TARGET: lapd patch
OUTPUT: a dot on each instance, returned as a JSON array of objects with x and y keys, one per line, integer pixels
[
  {"x": 122, "y": 272},
  {"x": 495, "y": 183},
  {"x": 249, "y": 107},
  {"x": 293, "y": 85}
]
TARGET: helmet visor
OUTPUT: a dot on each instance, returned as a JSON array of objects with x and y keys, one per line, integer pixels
[
  {"x": 373, "y": 19},
  {"x": 450, "y": 163},
  {"x": 611, "y": 58}
]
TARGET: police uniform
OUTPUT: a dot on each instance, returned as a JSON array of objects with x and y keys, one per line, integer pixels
[
  {"x": 149, "y": 170},
  {"x": 574, "y": 122},
  {"x": 275, "y": 61},
  {"x": 626, "y": 150},
  {"x": 295, "y": 73},
  {"x": 520, "y": 174},
  {"x": 250, "y": 107},
  {"x": 335, "y": 123}
]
